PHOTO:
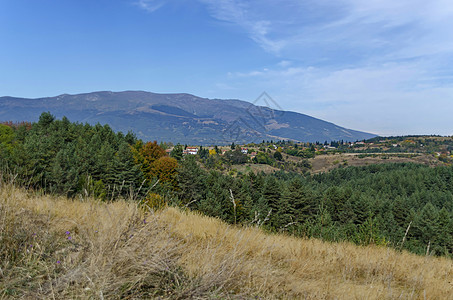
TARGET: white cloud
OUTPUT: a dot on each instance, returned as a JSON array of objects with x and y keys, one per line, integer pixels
[
  {"x": 284, "y": 63},
  {"x": 394, "y": 98},
  {"x": 395, "y": 29},
  {"x": 241, "y": 14},
  {"x": 324, "y": 30},
  {"x": 382, "y": 66},
  {"x": 149, "y": 5}
]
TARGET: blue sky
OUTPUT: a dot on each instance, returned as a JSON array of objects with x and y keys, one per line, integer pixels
[{"x": 381, "y": 66}]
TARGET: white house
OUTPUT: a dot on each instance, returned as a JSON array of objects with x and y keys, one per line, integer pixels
[{"x": 191, "y": 150}]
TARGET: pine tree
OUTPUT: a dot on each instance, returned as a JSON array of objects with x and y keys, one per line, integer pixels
[
  {"x": 128, "y": 175},
  {"x": 177, "y": 152},
  {"x": 191, "y": 181},
  {"x": 300, "y": 200},
  {"x": 445, "y": 237},
  {"x": 426, "y": 226},
  {"x": 285, "y": 210},
  {"x": 272, "y": 197}
]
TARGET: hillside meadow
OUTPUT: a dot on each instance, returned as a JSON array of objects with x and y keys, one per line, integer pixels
[{"x": 54, "y": 247}]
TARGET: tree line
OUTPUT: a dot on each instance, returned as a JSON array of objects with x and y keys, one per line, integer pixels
[
  {"x": 405, "y": 206},
  {"x": 67, "y": 158}
]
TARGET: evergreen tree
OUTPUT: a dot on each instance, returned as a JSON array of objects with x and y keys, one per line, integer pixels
[
  {"x": 191, "y": 181},
  {"x": 127, "y": 174},
  {"x": 427, "y": 227},
  {"x": 177, "y": 152},
  {"x": 272, "y": 198},
  {"x": 300, "y": 200},
  {"x": 444, "y": 244}
]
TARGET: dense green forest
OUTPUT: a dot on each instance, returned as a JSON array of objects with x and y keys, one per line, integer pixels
[{"x": 406, "y": 206}]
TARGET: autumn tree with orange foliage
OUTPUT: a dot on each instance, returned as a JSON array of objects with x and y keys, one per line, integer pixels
[
  {"x": 165, "y": 168},
  {"x": 146, "y": 155},
  {"x": 155, "y": 162}
]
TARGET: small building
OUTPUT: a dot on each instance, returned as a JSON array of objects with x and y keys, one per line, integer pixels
[
  {"x": 191, "y": 150},
  {"x": 244, "y": 150}
]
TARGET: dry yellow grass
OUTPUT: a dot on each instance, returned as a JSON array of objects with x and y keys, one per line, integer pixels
[
  {"x": 294, "y": 268},
  {"x": 325, "y": 163},
  {"x": 113, "y": 253}
]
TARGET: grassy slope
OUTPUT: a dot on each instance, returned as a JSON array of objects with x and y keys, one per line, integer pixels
[
  {"x": 325, "y": 163},
  {"x": 114, "y": 253}
]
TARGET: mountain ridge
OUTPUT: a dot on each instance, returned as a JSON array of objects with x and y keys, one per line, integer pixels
[{"x": 180, "y": 117}]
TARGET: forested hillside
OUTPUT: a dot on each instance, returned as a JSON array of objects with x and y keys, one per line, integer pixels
[{"x": 406, "y": 206}]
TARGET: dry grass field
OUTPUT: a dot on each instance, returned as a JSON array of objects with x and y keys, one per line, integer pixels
[
  {"x": 255, "y": 168},
  {"x": 325, "y": 163},
  {"x": 56, "y": 248}
]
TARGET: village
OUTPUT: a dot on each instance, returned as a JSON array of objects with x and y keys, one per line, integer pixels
[
  {"x": 270, "y": 156},
  {"x": 421, "y": 144}
]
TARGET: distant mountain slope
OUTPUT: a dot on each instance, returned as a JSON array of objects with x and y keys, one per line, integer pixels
[{"x": 182, "y": 118}]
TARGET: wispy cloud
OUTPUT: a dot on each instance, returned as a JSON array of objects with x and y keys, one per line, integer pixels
[
  {"x": 149, "y": 5},
  {"x": 284, "y": 63},
  {"x": 242, "y": 14},
  {"x": 392, "y": 98},
  {"x": 349, "y": 30},
  {"x": 377, "y": 65},
  {"x": 295, "y": 28}
]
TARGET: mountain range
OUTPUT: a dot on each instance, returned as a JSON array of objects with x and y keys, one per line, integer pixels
[{"x": 182, "y": 118}]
